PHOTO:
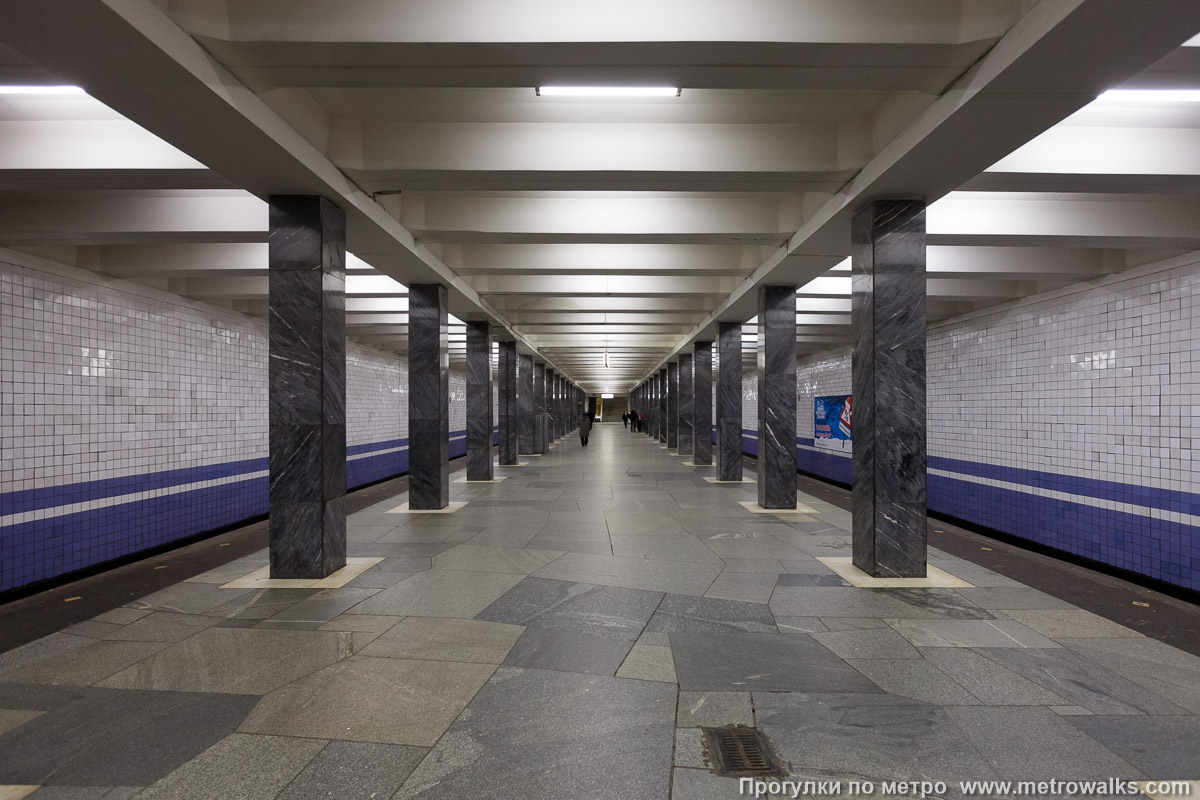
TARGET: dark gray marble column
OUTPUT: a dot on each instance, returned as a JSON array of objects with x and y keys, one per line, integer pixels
[
  {"x": 729, "y": 402},
  {"x": 888, "y": 320},
  {"x": 672, "y": 405},
  {"x": 539, "y": 408},
  {"x": 428, "y": 397},
  {"x": 777, "y": 396},
  {"x": 525, "y": 403},
  {"x": 551, "y": 413},
  {"x": 662, "y": 405},
  {"x": 479, "y": 401},
  {"x": 506, "y": 385},
  {"x": 307, "y": 386},
  {"x": 702, "y": 403},
  {"x": 685, "y": 405}
]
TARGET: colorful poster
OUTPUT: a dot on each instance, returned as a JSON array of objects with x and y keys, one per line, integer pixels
[{"x": 831, "y": 422}]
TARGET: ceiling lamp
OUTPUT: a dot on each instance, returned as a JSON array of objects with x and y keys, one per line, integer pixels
[
  {"x": 608, "y": 91},
  {"x": 40, "y": 90}
]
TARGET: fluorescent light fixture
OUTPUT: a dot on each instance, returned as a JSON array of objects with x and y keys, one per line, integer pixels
[
  {"x": 608, "y": 91},
  {"x": 606, "y": 396},
  {"x": 1143, "y": 96},
  {"x": 41, "y": 90}
]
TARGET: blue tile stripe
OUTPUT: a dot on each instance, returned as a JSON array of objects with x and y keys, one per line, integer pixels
[{"x": 124, "y": 520}]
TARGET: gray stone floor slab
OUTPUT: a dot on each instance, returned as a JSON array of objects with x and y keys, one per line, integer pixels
[
  {"x": 188, "y": 598},
  {"x": 762, "y": 565},
  {"x": 748, "y": 587},
  {"x": 987, "y": 680},
  {"x": 596, "y": 610},
  {"x": 439, "y": 639},
  {"x": 260, "y": 603},
  {"x": 916, "y": 679},
  {"x": 1163, "y": 748},
  {"x": 477, "y": 558},
  {"x": 123, "y": 615},
  {"x": 246, "y": 767},
  {"x": 1035, "y": 744},
  {"x": 378, "y": 579},
  {"x": 969, "y": 633},
  {"x": 679, "y": 614},
  {"x": 611, "y": 740},
  {"x": 878, "y": 643},
  {"x": 834, "y": 601},
  {"x": 568, "y": 651},
  {"x": 800, "y": 625},
  {"x": 85, "y": 665},
  {"x": 324, "y": 605},
  {"x": 714, "y": 709},
  {"x": 761, "y": 662},
  {"x": 1070, "y": 622},
  {"x": 861, "y": 736},
  {"x": 702, "y": 784},
  {"x": 235, "y": 660},
  {"x": 386, "y": 700},
  {"x": 680, "y": 547},
  {"x": 852, "y": 623},
  {"x": 1081, "y": 682},
  {"x": 440, "y": 593},
  {"x": 1013, "y": 597},
  {"x": 354, "y": 771},
  {"x": 649, "y": 663},
  {"x": 811, "y": 580},
  {"x": 13, "y": 718},
  {"x": 689, "y": 749},
  {"x": 50, "y": 646},
  {"x": 109, "y": 738},
  {"x": 632, "y": 573},
  {"x": 162, "y": 626},
  {"x": 91, "y": 629},
  {"x": 1170, "y": 672}
]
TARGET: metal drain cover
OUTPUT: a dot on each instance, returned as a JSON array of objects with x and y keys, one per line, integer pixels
[{"x": 739, "y": 751}]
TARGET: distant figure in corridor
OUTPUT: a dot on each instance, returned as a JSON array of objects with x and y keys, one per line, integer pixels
[
  {"x": 632, "y": 417},
  {"x": 585, "y": 427},
  {"x": 625, "y": 419}
]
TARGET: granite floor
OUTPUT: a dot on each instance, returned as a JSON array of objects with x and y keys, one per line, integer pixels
[{"x": 565, "y": 635}]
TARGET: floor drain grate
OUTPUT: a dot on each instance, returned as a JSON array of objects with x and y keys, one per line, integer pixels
[{"x": 739, "y": 751}]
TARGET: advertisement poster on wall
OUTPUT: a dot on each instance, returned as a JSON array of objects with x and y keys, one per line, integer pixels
[{"x": 831, "y": 423}]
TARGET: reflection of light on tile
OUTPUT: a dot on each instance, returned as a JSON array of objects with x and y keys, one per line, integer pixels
[
  {"x": 495, "y": 479},
  {"x": 934, "y": 577},
  {"x": 754, "y": 508},
  {"x": 261, "y": 578},
  {"x": 16, "y": 792},
  {"x": 449, "y": 509}
]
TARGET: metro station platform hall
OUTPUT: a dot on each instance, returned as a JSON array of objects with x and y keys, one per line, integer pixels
[{"x": 306, "y": 307}]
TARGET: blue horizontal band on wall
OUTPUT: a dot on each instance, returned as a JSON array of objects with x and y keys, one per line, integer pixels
[
  {"x": 54, "y": 496},
  {"x": 46, "y": 548},
  {"x": 41, "y": 549}
]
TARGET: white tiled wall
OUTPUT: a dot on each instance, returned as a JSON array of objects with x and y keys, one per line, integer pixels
[
  {"x": 376, "y": 395},
  {"x": 819, "y": 376},
  {"x": 1098, "y": 383},
  {"x": 102, "y": 378}
]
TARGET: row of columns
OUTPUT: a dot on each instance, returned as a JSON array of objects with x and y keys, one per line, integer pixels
[
  {"x": 307, "y": 392},
  {"x": 307, "y": 388},
  {"x": 888, "y": 393}
]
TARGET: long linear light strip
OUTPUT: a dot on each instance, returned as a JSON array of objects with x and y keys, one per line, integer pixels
[
  {"x": 608, "y": 91},
  {"x": 41, "y": 90}
]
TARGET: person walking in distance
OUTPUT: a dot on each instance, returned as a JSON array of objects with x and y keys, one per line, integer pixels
[
  {"x": 632, "y": 420},
  {"x": 585, "y": 427},
  {"x": 625, "y": 419}
]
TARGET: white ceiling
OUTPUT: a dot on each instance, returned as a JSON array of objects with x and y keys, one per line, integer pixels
[{"x": 585, "y": 226}]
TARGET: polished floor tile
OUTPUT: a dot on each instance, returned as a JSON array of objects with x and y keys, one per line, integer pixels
[
  {"x": 387, "y": 700},
  {"x": 761, "y": 662},
  {"x": 607, "y": 611},
  {"x": 611, "y": 739}
]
